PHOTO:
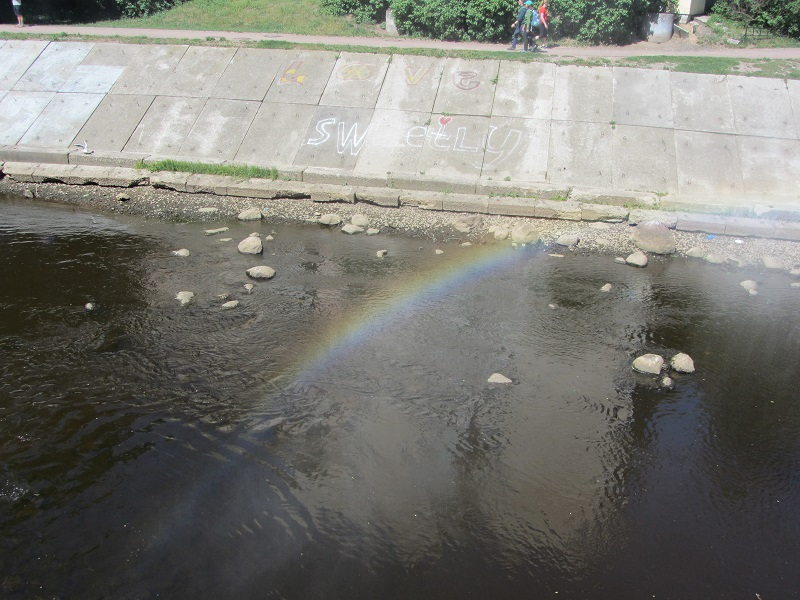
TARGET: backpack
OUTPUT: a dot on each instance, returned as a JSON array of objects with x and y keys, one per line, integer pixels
[{"x": 531, "y": 19}]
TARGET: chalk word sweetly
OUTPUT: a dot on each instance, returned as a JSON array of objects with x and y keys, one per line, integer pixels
[
  {"x": 497, "y": 144},
  {"x": 346, "y": 139}
]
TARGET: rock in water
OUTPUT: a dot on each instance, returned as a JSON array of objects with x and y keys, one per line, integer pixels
[
  {"x": 351, "y": 229},
  {"x": 637, "y": 259},
  {"x": 526, "y": 234},
  {"x": 682, "y": 363},
  {"x": 181, "y": 252},
  {"x": 184, "y": 297},
  {"x": 215, "y": 231},
  {"x": 498, "y": 378},
  {"x": 606, "y": 288},
  {"x": 261, "y": 272},
  {"x": 466, "y": 223},
  {"x": 773, "y": 264},
  {"x": 251, "y": 245},
  {"x": 654, "y": 237},
  {"x": 331, "y": 219},
  {"x": 230, "y": 305},
  {"x": 568, "y": 240},
  {"x": 360, "y": 221},
  {"x": 251, "y": 214},
  {"x": 750, "y": 285},
  {"x": 648, "y": 363}
]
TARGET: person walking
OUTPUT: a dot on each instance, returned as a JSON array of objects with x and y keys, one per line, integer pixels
[
  {"x": 543, "y": 26},
  {"x": 530, "y": 25},
  {"x": 17, "y": 6},
  {"x": 517, "y": 25}
]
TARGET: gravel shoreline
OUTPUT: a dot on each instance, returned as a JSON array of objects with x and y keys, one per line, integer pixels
[{"x": 605, "y": 238}]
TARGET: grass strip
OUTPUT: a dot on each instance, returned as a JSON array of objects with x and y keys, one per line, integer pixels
[{"x": 242, "y": 171}]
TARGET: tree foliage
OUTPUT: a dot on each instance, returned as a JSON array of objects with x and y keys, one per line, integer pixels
[
  {"x": 482, "y": 20},
  {"x": 64, "y": 11},
  {"x": 602, "y": 21},
  {"x": 364, "y": 11},
  {"x": 780, "y": 16}
]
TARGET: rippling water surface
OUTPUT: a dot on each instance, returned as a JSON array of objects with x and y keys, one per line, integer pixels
[{"x": 334, "y": 436}]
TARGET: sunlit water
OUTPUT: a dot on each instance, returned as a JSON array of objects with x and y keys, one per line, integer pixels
[{"x": 334, "y": 436}]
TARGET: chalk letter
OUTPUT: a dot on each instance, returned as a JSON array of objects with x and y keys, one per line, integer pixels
[{"x": 322, "y": 129}]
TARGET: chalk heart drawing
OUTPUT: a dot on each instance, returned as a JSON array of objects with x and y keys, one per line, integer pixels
[
  {"x": 466, "y": 80},
  {"x": 290, "y": 75},
  {"x": 495, "y": 147},
  {"x": 346, "y": 135},
  {"x": 355, "y": 72}
]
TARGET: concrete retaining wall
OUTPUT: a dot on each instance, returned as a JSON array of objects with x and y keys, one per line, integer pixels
[{"x": 408, "y": 122}]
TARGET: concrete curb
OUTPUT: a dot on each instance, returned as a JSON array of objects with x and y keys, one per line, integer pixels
[{"x": 357, "y": 189}]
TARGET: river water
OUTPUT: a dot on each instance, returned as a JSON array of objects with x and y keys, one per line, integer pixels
[{"x": 335, "y": 436}]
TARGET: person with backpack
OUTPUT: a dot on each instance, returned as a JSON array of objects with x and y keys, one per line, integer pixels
[
  {"x": 517, "y": 25},
  {"x": 530, "y": 25}
]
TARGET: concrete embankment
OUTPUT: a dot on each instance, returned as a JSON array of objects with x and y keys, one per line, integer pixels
[{"x": 497, "y": 137}]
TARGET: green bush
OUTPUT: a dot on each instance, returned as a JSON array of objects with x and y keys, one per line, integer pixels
[
  {"x": 364, "y": 11},
  {"x": 601, "y": 21},
  {"x": 779, "y": 16},
  {"x": 482, "y": 20},
  {"x": 141, "y": 8}
]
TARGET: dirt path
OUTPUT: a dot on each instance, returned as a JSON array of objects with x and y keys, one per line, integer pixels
[{"x": 674, "y": 47}]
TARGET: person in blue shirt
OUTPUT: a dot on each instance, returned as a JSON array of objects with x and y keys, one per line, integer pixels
[{"x": 517, "y": 25}]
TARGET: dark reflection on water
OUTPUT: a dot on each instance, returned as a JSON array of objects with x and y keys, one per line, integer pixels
[{"x": 335, "y": 437}]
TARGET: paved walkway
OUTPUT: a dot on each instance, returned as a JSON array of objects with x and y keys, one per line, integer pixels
[{"x": 674, "y": 47}]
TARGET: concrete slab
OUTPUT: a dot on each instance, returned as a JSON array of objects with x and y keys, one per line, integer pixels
[
  {"x": 583, "y": 94},
  {"x": 394, "y": 143},
  {"x": 411, "y": 83},
  {"x": 18, "y": 111},
  {"x": 112, "y": 123},
  {"x": 28, "y": 154},
  {"x": 750, "y": 97},
  {"x": 111, "y": 55},
  {"x": 427, "y": 183},
  {"x": 642, "y": 97},
  {"x": 467, "y": 87},
  {"x": 15, "y": 58},
  {"x": 146, "y": 72},
  {"x": 644, "y": 159},
  {"x": 580, "y": 154},
  {"x": 524, "y": 90},
  {"x": 516, "y": 150},
  {"x": 793, "y": 85},
  {"x": 53, "y": 67},
  {"x": 249, "y": 74},
  {"x": 708, "y": 164},
  {"x": 770, "y": 166},
  {"x": 276, "y": 134},
  {"x": 220, "y": 129},
  {"x": 61, "y": 120},
  {"x": 455, "y": 146},
  {"x": 356, "y": 80},
  {"x": 701, "y": 103},
  {"x": 302, "y": 78},
  {"x": 165, "y": 125},
  {"x": 197, "y": 72},
  {"x": 335, "y": 137},
  {"x": 92, "y": 79}
]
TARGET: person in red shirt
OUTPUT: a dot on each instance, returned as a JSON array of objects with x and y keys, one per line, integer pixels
[{"x": 543, "y": 27}]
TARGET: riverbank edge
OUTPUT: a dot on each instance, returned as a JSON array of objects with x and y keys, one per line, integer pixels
[{"x": 328, "y": 186}]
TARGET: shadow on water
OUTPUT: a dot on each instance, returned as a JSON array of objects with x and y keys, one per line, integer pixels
[{"x": 335, "y": 435}]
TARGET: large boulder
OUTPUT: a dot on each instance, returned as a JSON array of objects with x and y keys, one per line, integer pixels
[
  {"x": 330, "y": 219},
  {"x": 648, "y": 363},
  {"x": 261, "y": 272},
  {"x": 251, "y": 214},
  {"x": 682, "y": 363},
  {"x": 655, "y": 237},
  {"x": 351, "y": 229},
  {"x": 251, "y": 245},
  {"x": 526, "y": 234}
]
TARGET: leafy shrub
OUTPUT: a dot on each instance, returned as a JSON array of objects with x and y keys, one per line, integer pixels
[
  {"x": 364, "y": 11},
  {"x": 140, "y": 8},
  {"x": 780, "y": 16},
  {"x": 483, "y": 20},
  {"x": 601, "y": 21}
]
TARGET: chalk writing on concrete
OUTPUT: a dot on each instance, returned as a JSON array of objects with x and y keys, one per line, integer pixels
[
  {"x": 345, "y": 138},
  {"x": 290, "y": 75},
  {"x": 415, "y": 77},
  {"x": 466, "y": 80},
  {"x": 495, "y": 146},
  {"x": 355, "y": 72}
]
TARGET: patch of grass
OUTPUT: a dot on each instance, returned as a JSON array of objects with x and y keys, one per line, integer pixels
[
  {"x": 272, "y": 16},
  {"x": 243, "y": 171},
  {"x": 717, "y": 65},
  {"x": 721, "y": 29}
]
